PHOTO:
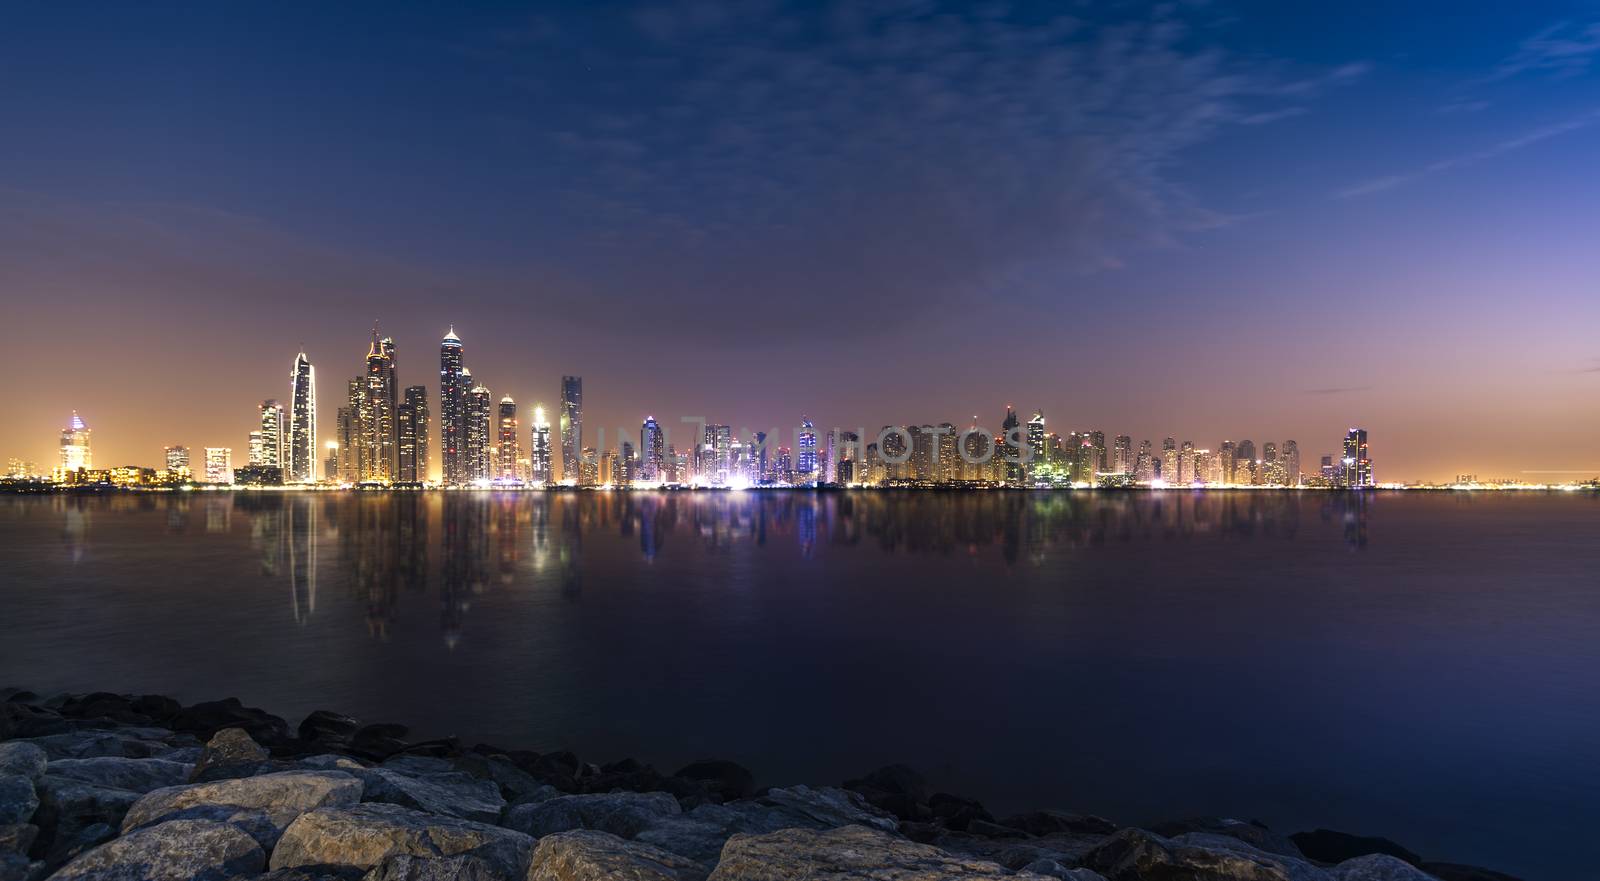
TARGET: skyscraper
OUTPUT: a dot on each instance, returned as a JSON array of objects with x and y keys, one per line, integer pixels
[
  {"x": 1357, "y": 463},
  {"x": 177, "y": 459},
  {"x": 540, "y": 449},
  {"x": 1144, "y": 469},
  {"x": 1169, "y": 461},
  {"x": 1122, "y": 455},
  {"x": 273, "y": 435},
  {"x": 479, "y": 432},
  {"x": 571, "y": 428},
  {"x": 508, "y": 443},
  {"x": 1010, "y": 451},
  {"x": 75, "y": 453},
  {"x": 411, "y": 429},
  {"x": 1036, "y": 448},
  {"x": 652, "y": 451},
  {"x": 351, "y": 448},
  {"x": 452, "y": 410},
  {"x": 378, "y": 458},
  {"x": 1291, "y": 463},
  {"x": 302, "y": 438},
  {"x": 807, "y": 462},
  {"x": 219, "y": 465},
  {"x": 1225, "y": 457}
]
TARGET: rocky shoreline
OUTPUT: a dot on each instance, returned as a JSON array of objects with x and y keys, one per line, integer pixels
[{"x": 107, "y": 787}]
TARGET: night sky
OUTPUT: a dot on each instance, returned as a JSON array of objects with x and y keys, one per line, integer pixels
[{"x": 1204, "y": 220}]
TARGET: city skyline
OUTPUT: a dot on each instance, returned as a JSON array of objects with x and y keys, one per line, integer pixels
[{"x": 1213, "y": 220}]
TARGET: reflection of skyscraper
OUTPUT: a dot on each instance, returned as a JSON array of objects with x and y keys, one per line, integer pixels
[
  {"x": 302, "y": 438},
  {"x": 651, "y": 451},
  {"x": 452, "y": 410},
  {"x": 75, "y": 452},
  {"x": 508, "y": 443},
  {"x": 540, "y": 449},
  {"x": 479, "y": 432},
  {"x": 571, "y": 427},
  {"x": 411, "y": 429}
]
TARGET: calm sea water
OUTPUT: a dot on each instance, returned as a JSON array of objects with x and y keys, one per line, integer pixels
[{"x": 1422, "y": 666}]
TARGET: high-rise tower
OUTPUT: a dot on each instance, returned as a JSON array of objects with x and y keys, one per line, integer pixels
[
  {"x": 301, "y": 464},
  {"x": 540, "y": 450},
  {"x": 273, "y": 436},
  {"x": 508, "y": 447},
  {"x": 75, "y": 452},
  {"x": 379, "y": 460},
  {"x": 479, "y": 432},
  {"x": 806, "y": 464},
  {"x": 652, "y": 452},
  {"x": 571, "y": 427},
  {"x": 452, "y": 410},
  {"x": 1357, "y": 462}
]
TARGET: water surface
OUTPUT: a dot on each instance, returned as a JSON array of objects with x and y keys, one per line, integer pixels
[{"x": 1422, "y": 666}]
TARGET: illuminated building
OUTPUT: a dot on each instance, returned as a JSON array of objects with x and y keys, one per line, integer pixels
[
  {"x": 1186, "y": 463},
  {"x": 411, "y": 434},
  {"x": 1331, "y": 472},
  {"x": 588, "y": 467},
  {"x": 348, "y": 431},
  {"x": 611, "y": 468},
  {"x": 273, "y": 435},
  {"x": 1083, "y": 460},
  {"x": 1291, "y": 463},
  {"x": 453, "y": 389},
  {"x": 652, "y": 451},
  {"x": 378, "y": 454},
  {"x": 1144, "y": 469},
  {"x": 1036, "y": 446},
  {"x": 1357, "y": 461},
  {"x": 1225, "y": 456},
  {"x": 1122, "y": 455},
  {"x": 1244, "y": 463},
  {"x": 1270, "y": 472},
  {"x": 1009, "y": 451},
  {"x": 571, "y": 427},
  {"x": 626, "y": 470},
  {"x": 20, "y": 469},
  {"x": 177, "y": 458},
  {"x": 757, "y": 457},
  {"x": 508, "y": 445},
  {"x": 480, "y": 436},
  {"x": 806, "y": 465},
  {"x": 330, "y": 466},
  {"x": 540, "y": 448},
  {"x": 256, "y": 448},
  {"x": 1169, "y": 461},
  {"x": 301, "y": 442},
  {"x": 75, "y": 454},
  {"x": 715, "y": 453},
  {"x": 219, "y": 465},
  {"x": 1097, "y": 439}
]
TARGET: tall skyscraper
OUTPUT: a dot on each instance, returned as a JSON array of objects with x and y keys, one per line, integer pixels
[
  {"x": 1271, "y": 473},
  {"x": 75, "y": 453},
  {"x": 302, "y": 438},
  {"x": 379, "y": 460},
  {"x": 1291, "y": 463},
  {"x": 480, "y": 437},
  {"x": 652, "y": 451},
  {"x": 1122, "y": 455},
  {"x": 1169, "y": 461},
  {"x": 219, "y": 465},
  {"x": 540, "y": 449},
  {"x": 1225, "y": 457},
  {"x": 571, "y": 428},
  {"x": 508, "y": 443},
  {"x": 1009, "y": 451},
  {"x": 273, "y": 434},
  {"x": 351, "y": 445},
  {"x": 177, "y": 459},
  {"x": 1357, "y": 462},
  {"x": 1144, "y": 469},
  {"x": 807, "y": 463},
  {"x": 1036, "y": 445},
  {"x": 452, "y": 410},
  {"x": 411, "y": 430}
]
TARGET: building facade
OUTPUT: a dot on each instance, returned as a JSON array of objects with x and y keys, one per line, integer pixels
[
  {"x": 300, "y": 464},
  {"x": 453, "y": 390},
  {"x": 571, "y": 419}
]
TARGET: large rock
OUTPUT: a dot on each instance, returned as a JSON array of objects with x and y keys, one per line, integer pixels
[
  {"x": 18, "y": 800},
  {"x": 16, "y": 867},
  {"x": 206, "y": 719},
  {"x": 624, "y": 814},
  {"x": 597, "y": 856},
  {"x": 17, "y": 837},
  {"x": 461, "y": 867},
  {"x": 365, "y": 835},
  {"x": 314, "y": 873},
  {"x": 1462, "y": 872},
  {"x": 448, "y": 792},
  {"x": 21, "y": 720},
  {"x": 1330, "y": 846},
  {"x": 117, "y": 772},
  {"x": 728, "y": 780},
  {"x": 68, "y": 807},
  {"x": 282, "y": 797},
  {"x": 22, "y": 759},
  {"x": 229, "y": 754},
  {"x": 853, "y": 852},
  {"x": 1378, "y": 867},
  {"x": 131, "y": 743},
  {"x": 515, "y": 784},
  {"x": 324, "y": 729},
  {"x": 1053, "y": 869},
  {"x": 182, "y": 850},
  {"x": 1253, "y": 834},
  {"x": 1137, "y": 855},
  {"x": 701, "y": 833}
]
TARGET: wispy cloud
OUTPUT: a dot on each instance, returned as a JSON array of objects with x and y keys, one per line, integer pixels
[
  {"x": 1342, "y": 390},
  {"x": 1511, "y": 145},
  {"x": 1565, "y": 49}
]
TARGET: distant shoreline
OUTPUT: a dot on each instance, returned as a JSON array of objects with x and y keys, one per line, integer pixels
[{"x": 46, "y": 488}]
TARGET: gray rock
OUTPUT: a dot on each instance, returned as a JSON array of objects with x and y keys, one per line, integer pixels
[
  {"x": 449, "y": 792},
  {"x": 515, "y": 784},
  {"x": 86, "y": 839},
  {"x": 1378, "y": 867},
  {"x": 117, "y": 772},
  {"x": 22, "y": 759},
  {"x": 183, "y": 850},
  {"x": 254, "y": 822},
  {"x": 328, "y": 762},
  {"x": 597, "y": 856},
  {"x": 313, "y": 873},
  {"x": 851, "y": 852},
  {"x": 1053, "y": 869},
  {"x": 1135, "y": 855},
  {"x": 229, "y": 754},
  {"x": 365, "y": 835},
  {"x": 419, "y": 766},
  {"x": 461, "y": 867},
  {"x": 701, "y": 833},
  {"x": 71, "y": 814},
  {"x": 17, "y": 837},
  {"x": 188, "y": 755},
  {"x": 700, "y": 840},
  {"x": 18, "y": 800},
  {"x": 1257, "y": 836},
  {"x": 283, "y": 797},
  {"x": 15, "y": 867},
  {"x": 131, "y": 743},
  {"x": 624, "y": 814}
]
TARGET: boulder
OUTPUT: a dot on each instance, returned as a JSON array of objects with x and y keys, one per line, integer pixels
[
  {"x": 956, "y": 811},
  {"x": 324, "y": 729},
  {"x": 314, "y": 873},
  {"x": 848, "y": 853},
  {"x": 22, "y": 759},
  {"x": 23, "y": 720},
  {"x": 597, "y": 856},
  {"x": 1460, "y": 872},
  {"x": 450, "y": 793},
  {"x": 230, "y": 753},
  {"x": 623, "y": 814},
  {"x": 1254, "y": 834},
  {"x": 84, "y": 840},
  {"x": 365, "y": 835},
  {"x": 182, "y": 850},
  {"x": 1378, "y": 867},
  {"x": 131, "y": 743},
  {"x": 1053, "y": 869},
  {"x": 728, "y": 780},
  {"x": 18, "y": 800},
  {"x": 1057, "y": 822},
  {"x": 701, "y": 833},
  {"x": 892, "y": 779},
  {"x": 513, "y": 782},
  {"x": 16, "y": 867},
  {"x": 282, "y": 797},
  {"x": 461, "y": 867},
  {"x": 117, "y": 772},
  {"x": 1137, "y": 855},
  {"x": 17, "y": 837},
  {"x": 1329, "y": 846},
  {"x": 206, "y": 719},
  {"x": 378, "y": 741}
]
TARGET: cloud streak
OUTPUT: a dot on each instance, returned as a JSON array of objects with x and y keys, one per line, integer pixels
[{"x": 1465, "y": 160}]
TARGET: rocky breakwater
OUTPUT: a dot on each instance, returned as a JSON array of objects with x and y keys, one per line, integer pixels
[{"x": 106, "y": 787}]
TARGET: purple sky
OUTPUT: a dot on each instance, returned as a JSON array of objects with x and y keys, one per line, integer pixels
[{"x": 1207, "y": 221}]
